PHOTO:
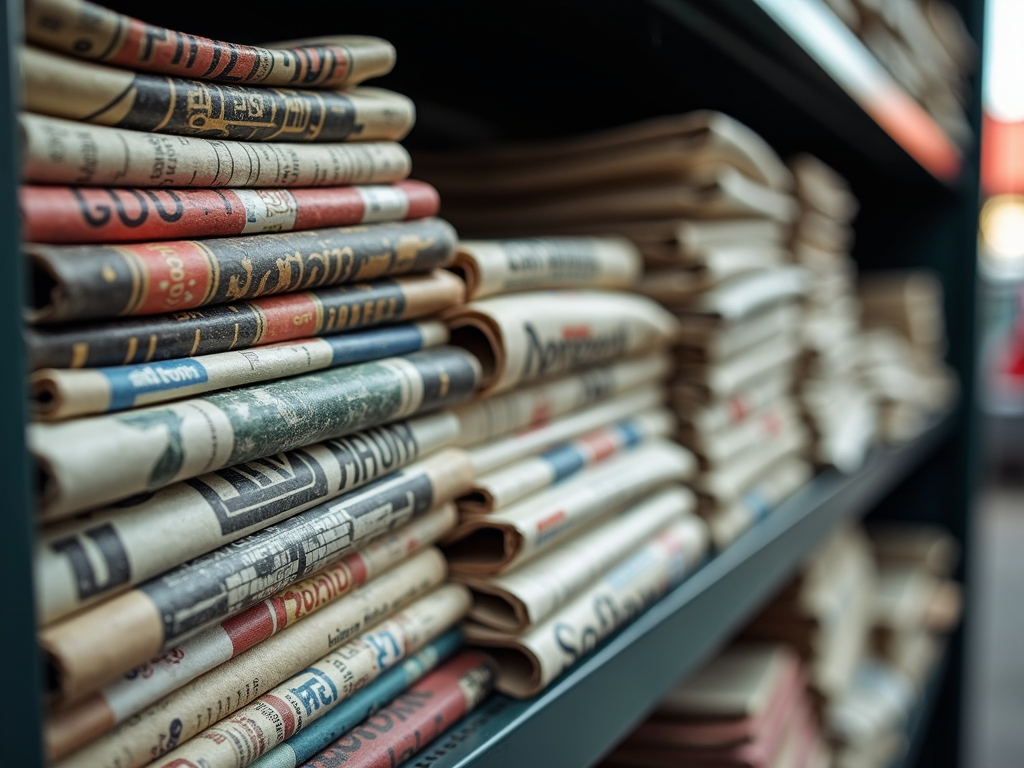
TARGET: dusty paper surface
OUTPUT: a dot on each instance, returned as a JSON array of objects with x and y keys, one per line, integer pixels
[
  {"x": 78, "y": 90},
  {"x": 59, "y": 151},
  {"x": 81, "y": 28},
  {"x": 243, "y": 324},
  {"x": 528, "y": 336},
  {"x": 486, "y": 544},
  {"x": 95, "y": 281},
  {"x": 89, "y": 649},
  {"x": 501, "y": 487},
  {"x": 60, "y": 393},
  {"x": 239, "y": 739},
  {"x": 527, "y": 663},
  {"x": 85, "y": 559},
  {"x": 534, "y": 406},
  {"x": 526, "y": 596},
  {"x": 160, "y": 445},
  {"x": 233, "y": 684},
  {"x": 491, "y": 267},
  {"x": 71, "y": 727}
]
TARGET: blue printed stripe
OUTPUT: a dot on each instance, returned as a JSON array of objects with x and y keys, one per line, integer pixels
[
  {"x": 757, "y": 504},
  {"x": 568, "y": 459},
  {"x": 129, "y": 381},
  {"x": 374, "y": 344},
  {"x": 349, "y": 713}
]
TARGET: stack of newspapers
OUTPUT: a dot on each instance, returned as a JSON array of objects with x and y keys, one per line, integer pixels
[
  {"x": 746, "y": 708},
  {"x": 238, "y": 494},
  {"x": 708, "y": 204},
  {"x": 577, "y": 518},
  {"x": 901, "y": 357},
  {"x": 840, "y": 412}
]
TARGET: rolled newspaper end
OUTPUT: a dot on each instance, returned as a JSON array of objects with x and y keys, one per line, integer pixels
[
  {"x": 211, "y": 697},
  {"x": 500, "y": 266},
  {"x": 487, "y": 544},
  {"x": 500, "y": 451},
  {"x": 528, "y": 336},
  {"x": 60, "y": 393},
  {"x": 293, "y": 704},
  {"x": 524, "y": 597},
  {"x": 76, "y": 282},
  {"x": 83, "y": 560},
  {"x": 93, "y": 93},
  {"x": 89, "y": 31},
  {"x": 243, "y": 325},
  {"x": 160, "y": 445},
  {"x": 528, "y": 662},
  {"x": 361, "y": 705},
  {"x": 534, "y": 406},
  {"x": 73, "y": 726},
  {"x": 56, "y": 151},
  {"x": 91, "y": 648},
  {"x": 417, "y": 717},
  {"x": 128, "y": 214}
]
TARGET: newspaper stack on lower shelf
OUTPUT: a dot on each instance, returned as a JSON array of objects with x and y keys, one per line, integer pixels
[
  {"x": 901, "y": 358},
  {"x": 746, "y": 708},
  {"x": 916, "y": 603},
  {"x": 840, "y": 412}
]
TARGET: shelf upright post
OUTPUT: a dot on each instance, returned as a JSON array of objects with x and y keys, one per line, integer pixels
[{"x": 20, "y": 727}]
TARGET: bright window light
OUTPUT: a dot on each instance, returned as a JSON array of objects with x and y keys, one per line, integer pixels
[{"x": 1004, "y": 60}]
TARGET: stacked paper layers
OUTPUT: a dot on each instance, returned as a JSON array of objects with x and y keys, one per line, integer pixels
[
  {"x": 839, "y": 410},
  {"x": 708, "y": 204},
  {"x": 902, "y": 350},
  {"x": 747, "y": 708},
  {"x": 249, "y": 455}
]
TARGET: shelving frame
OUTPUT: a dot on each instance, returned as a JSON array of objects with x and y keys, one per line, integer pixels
[{"x": 521, "y": 69}]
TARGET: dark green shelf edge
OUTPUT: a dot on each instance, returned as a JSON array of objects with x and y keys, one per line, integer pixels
[
  {"x": 916, "y": 727},
  {"x": 588, "y": 710}
]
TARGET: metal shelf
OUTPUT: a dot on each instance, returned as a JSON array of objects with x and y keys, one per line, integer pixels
[
  {"x": 916, "y": 726},
  {"x": 591, "y": 707}
]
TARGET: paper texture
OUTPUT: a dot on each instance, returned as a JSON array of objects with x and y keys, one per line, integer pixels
[
  {"x": 80, "y": 28},
  {"x": 526, "y": 596},
  {"x": 492, "y": 267},
  {"x": 74, "y": 282},
  {"x": 523, "y": 337},
  {"x": 717, "y": 449},
  {"x": 670, "y": 282},
  {"x": 768, "y": 387},
  {"x": 707, "y": 384},
  {"x": 59, "y": 151},
  {"x": 746, "y": 294},
  {"x": 536, "y": 405},
  {"x": 127, "y": 214},
  {"x": 89, "y": 649},
  {"x": 718, "y": 344},
  {"x": 287, "y": 709},
  {"x": 163, "y": 444},
  {"x": 83, "y": 560},
  {"x": 527, "y": 663},
  {"x": 486, "y": 544},
  {"x": 73, "y": 726},
  {"x": 243, "y": 324},
  {"x": 177, "y": 718},
  {"x": 78, "y": 90},
  {"x": 363, "y": 704},
  {"x": 499, "y": 488},
  {"x": 417, "y": 717},
  {"x": 493, "y": 454},
  {"x": 62, "y": 393}
]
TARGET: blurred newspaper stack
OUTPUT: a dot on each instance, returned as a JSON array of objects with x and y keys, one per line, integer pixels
[
  {"x": 925, "y": 46},
  {"x": 577, "y": 519},
  {"x": 707, "y": 203},
  {"x": 243, "y": 449},
  {"x": 915, "y": 603},
  {"x": 901, "y": 360},
  {"x": 840, "y": 412},
  {"x": 746, "y": 708}
]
